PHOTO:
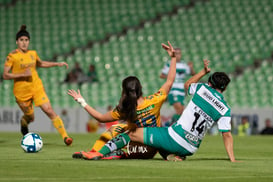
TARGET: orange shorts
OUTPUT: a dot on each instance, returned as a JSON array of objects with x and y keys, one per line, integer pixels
[
  {"x": 25, "y": 99},
  {"x": 117, "y": 129}
]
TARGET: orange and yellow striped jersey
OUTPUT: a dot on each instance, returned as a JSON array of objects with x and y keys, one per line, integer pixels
[
  {"x": 148, "y": 113},
  {"x": 19, "y": 62}
]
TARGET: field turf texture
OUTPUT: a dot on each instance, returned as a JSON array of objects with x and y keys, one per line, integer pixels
[{"x": 210, "y": 163}]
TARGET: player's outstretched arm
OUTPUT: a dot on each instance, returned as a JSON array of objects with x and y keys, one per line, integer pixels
[
  {"x": 103, "y": 118},
  {"x": 195, "y": 78},
  {"x": 228, "y": 142},
  {"x": 47, "y": 64},
  {"x": 172, "y": 71}
]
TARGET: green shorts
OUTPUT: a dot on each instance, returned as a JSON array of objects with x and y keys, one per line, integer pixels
[
  {"x": 158, "y": 137},
  {"x": 176, "y": 98}
]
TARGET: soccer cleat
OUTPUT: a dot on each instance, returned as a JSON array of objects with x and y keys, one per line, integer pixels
[
  {"x": 118, "y": 154},
  {"x": 175, "y": 158},
  {"x": 68, "y": 141},
  {"x": 91, "y": 155},
  {"x": 78, "y": 155}
]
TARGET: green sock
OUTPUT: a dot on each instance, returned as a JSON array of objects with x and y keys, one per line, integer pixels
[{"x": 116, "y": 143}]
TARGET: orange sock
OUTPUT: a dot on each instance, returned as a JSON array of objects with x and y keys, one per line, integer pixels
[{"x": 59, "y": 125}]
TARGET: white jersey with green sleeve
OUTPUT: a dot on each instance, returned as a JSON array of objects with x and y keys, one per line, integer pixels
[
  {"x": 182, "y": 72},
  {"x": 206, "y": 107}
]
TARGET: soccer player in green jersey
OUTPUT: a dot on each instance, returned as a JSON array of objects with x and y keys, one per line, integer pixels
[
  {"x": 184, "y": 137},
  {"x": 177, "y": 93}
]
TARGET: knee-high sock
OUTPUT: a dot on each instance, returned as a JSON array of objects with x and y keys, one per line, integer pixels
[
  {"x": 104, "y": 137},
  {"x": 59, "y": 125},
  {"x": 116, "y": 143}
]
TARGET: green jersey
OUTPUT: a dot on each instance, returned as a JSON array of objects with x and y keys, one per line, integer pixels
[{"x": 206, "y": 107}]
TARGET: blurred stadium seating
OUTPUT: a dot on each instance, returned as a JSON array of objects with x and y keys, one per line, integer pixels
[{"x": 234, "y": 35}]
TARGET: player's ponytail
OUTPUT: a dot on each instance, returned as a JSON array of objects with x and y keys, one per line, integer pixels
[
  {"x": 131, "y": 91},
  {"x": 22, "y": 32}
]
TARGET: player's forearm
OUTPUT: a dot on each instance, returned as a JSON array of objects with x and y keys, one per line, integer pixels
[
  {"x": 228, "y": 142},
  {"x": 172, "y": 71},
  {"x": 11, "y": 76},
  {"x": 47, "y": 64},
  {"x": 94, "y": 113},
  {"x": 195, "y": 78},
  {"x": 102, "y": 118}
]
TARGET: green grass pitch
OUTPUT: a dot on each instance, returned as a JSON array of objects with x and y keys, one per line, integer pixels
[{"x": 210, "y": 163}]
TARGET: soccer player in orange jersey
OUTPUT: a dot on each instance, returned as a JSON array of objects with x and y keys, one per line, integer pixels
[{"x": 20, "y": 66}]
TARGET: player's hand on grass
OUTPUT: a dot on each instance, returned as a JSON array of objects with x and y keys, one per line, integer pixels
[{"x": 169, "y": 49}]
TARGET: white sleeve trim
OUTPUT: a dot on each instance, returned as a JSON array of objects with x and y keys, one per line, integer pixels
[{"x": 224, "y": 123}]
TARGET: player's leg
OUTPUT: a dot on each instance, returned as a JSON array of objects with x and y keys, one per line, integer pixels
[
  {"x": 41, "y": 100},
  {"x": 112, "y": 132},
  {"x": 114, "y": 144},
  {"x": 57, "y": 122},
  {"x": 178, "y": 107},
  {"x": 159, "y": 138},
  {"x": 27, "y": 108},
  {"x": 177, "y": 101}
]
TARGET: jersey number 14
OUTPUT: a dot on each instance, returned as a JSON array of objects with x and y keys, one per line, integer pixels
[{"x": 200, "y": 127}]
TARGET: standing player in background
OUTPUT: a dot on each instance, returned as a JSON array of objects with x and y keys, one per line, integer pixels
[
  {"x": 20, "y": 66},
  {"x": 177, "y": 94},
  {"x": 184, "y": 137},
  {"x": 137, "y": 110}
]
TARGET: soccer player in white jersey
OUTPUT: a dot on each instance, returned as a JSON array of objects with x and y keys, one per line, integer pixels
[
  {"x": 177, "y": 93},
  {"x": 184, "y": 137}
]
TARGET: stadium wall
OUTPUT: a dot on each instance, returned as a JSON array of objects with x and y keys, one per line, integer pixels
[{"x": 76, "y": 120}]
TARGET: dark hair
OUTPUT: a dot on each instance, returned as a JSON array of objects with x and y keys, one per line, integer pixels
[
  {"x": 22, "y": 32},
  {"x": 131, "y": 91},
  {"x": 219, "y": 80}
]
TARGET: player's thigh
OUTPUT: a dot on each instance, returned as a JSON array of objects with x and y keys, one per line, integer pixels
[
  {"x": 26, "y": 106},
  {"x": 159, "y": 137},
  {"x": 117, "y": 129},
  {"x": 40, "y": 96}
]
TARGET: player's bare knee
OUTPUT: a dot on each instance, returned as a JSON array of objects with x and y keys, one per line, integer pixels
[
  {"x": 132, "y": 136},
  {"x": 135, "y": 136}
]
